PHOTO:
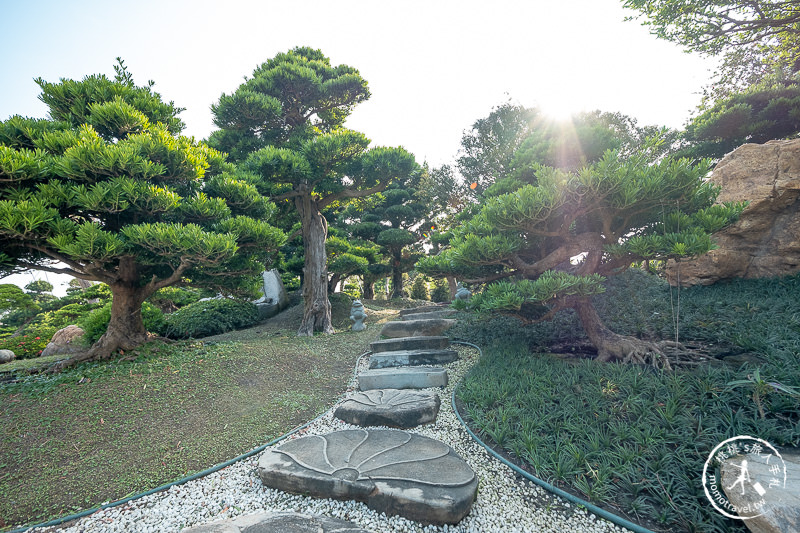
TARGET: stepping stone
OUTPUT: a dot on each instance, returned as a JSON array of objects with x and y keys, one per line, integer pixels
[
  {"x": 444, "y": 313},
  {"x": 392, "y": 471},
  {"x": 415, "y": 377},
  {"x": 412, "y": 358},
  {"x": 389, "y": 407},
  {"x": 416, "y": 328},
  {"x": 422, "y": 309},
  {"x": 278, "y": 523},
  {"x": 410, "y": 343}
]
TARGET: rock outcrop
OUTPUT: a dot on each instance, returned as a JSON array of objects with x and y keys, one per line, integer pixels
[
  {"x": 765, "y": 241},
  {"x": 64, "y": 342}
]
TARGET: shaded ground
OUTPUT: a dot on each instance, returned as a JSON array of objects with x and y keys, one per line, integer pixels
[{"x": 102, "y": 432}]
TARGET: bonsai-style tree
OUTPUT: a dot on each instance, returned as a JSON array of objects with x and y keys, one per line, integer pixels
[
  {"x": 289, "y": 118},
  {"x": 547, "y": 246},
  {"x": 107, "y": 190}
]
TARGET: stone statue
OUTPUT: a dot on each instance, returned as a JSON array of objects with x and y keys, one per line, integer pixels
[
  {"x": 462, "y": 293},
  {"x": 358, "y": 315}
]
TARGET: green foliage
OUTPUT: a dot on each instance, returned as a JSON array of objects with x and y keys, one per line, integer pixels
[
  {"x": 419, "y": 289},
  {"x": 39, "y": 286},
  {"x": 13, "y": 298},
  {"x": 25, "y": 346},
  {"x": 170, "y": 299},
  {"x": 767, "y": 110},
  {"x": 210, "y": 317},
  {"x": 440, "y": 291},
  {"x": 95, "y": 324}
]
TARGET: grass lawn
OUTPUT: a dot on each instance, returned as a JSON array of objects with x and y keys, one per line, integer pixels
[{"x": 101, "y": 432}]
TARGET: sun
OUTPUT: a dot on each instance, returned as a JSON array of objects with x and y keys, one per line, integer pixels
[{"x": 560, "y": 108}]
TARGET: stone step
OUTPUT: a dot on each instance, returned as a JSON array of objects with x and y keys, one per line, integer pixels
[
  {"x": 423, "y": 309},
  {"x": 389, "y": 407},
  {"x": 412, "y": 358},
  {"x": 278, "y": 523},
  {"x": 430, "y": 327},
  {"x": 409, "y": 343},
  {"x": 391, "y": 471},
  {"x": 414, "y": 377},
  {"x": 443, "y": 313}
]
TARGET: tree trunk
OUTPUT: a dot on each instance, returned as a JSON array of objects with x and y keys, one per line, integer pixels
[
  {"x": 614, "y": 347},
  {"x": 453, "y": 286},
  {"x": 126, "y": 328},
  {"x": 316, "y": 306},
  {"x": 397, "y": 274},
  {"x": 335, "y": 279},
  {"x": 369, "y": 291}
]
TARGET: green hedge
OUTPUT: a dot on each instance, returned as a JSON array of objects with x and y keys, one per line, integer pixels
[{"x": 210, "y": 317}]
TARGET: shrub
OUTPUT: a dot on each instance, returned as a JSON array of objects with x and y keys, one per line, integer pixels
[
  {"x": 210, "y": 317},
  {"x": 440, "y": 291},
  {"x": 419, "y": 289},
  {"x": 170, "y": 299},
  {"x": 95, "y": 323},
  {"x": 25, "y": 346}
]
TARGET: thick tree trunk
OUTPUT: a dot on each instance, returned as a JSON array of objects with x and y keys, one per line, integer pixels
[
  {"x": 369, "y": 291},
  {"x": 453, "y": 286},
  {"x": 316, "y": 306},
  {"x": 126, "y": 328},
  {"x": 614, "y": 347}
]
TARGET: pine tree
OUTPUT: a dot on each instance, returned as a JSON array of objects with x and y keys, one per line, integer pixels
[{"x": 107, "y": 190}]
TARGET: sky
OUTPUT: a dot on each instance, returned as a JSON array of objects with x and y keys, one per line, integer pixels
[{"x": 433, "y": 66}]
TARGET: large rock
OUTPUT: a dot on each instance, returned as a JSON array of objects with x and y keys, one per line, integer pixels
[
  {"x": 432, "y": 327},
  {"x": 64, "y": 342},
  {"x": 781, "y": 503},
  {"x": 278, "y": 523},
  {"x": 392, "y": 471},
  {"x": 6, "y": 356},
  {"x": 409, "y": 343},
  {"x": 389, "y": 407},
  {"x": 412, "y": 358},
  {"x": 415, "y": 377},
  {"x": 275, "y": 298},
  {"x": 765, "y": 241}
]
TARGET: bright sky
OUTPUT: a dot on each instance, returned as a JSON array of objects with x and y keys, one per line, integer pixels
[{"x": 433, "y": 66}]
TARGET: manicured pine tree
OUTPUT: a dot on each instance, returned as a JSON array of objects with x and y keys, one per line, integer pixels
[{"x": 108, "y": 190}]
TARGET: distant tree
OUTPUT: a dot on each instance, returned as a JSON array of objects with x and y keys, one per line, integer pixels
[
  {"x": 419, "y": 288},
  {"x": 610, "y": 214},
  {"x": 288, "y": 117},
  {"x": 39, "y": 286},
  {"x": 107, "y": 190},
  {"x": 12, "y": 298},
  {"x": 768, "y": 110}
]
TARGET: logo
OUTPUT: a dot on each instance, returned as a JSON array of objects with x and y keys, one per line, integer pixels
[{"x": 754, "y": 472}]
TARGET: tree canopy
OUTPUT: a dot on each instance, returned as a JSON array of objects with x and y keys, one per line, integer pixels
[
  {"x": 547, "y": 245},
  {"x": 107, "y": 190}
]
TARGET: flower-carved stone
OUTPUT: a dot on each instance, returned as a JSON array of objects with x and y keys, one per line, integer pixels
[
  {"x": 392, "y": 471},
  {"x": 389, "y": 407}
]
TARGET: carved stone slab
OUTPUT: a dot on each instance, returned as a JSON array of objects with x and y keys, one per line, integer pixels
[
  {"x": 414, "y": 377},
  {"x": 410, "y": 343},
  {"x": 389, "y": 407},
  {"x": 392, "y": 471},
  {"x": 417, "y": 328},
  {"x": 278, "y": 523},
  {"x": 423, "y": 309},
  {"x": 412, "y": 358}
]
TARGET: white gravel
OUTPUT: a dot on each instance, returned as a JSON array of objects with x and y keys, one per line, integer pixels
[{"x": 506, "y": 502}]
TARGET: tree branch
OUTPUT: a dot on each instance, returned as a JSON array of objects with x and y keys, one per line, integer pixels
[{"x": 350, "y": 193}]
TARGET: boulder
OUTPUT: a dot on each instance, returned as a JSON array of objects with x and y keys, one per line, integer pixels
[
  {"x": 409, "y": 343},
  {"x": 765, "y": 241},
  {"x": 6, "y": 356},
  {"x": 391, "y": 471},
  {"x": 275, "y": 298},
  {"x": 278, "y": 523},
  {"x": 64, "y": 342},
  {"x": 777, "y": 502},
  {"x": 415, "y": 377},
  {"x": 389, "y": 407},
  {"x": 431, "y": 327}
]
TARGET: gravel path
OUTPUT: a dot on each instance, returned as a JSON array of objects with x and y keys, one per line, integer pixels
[{"x": 506, "y": 502}]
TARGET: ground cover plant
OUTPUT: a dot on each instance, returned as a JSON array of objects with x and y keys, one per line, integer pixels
[
  {"x": 632, "y": 438},
  {"x": 70, "y": 441}
]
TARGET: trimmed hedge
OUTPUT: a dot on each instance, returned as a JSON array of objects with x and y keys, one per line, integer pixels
[{"x": 210, "y": 317}]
